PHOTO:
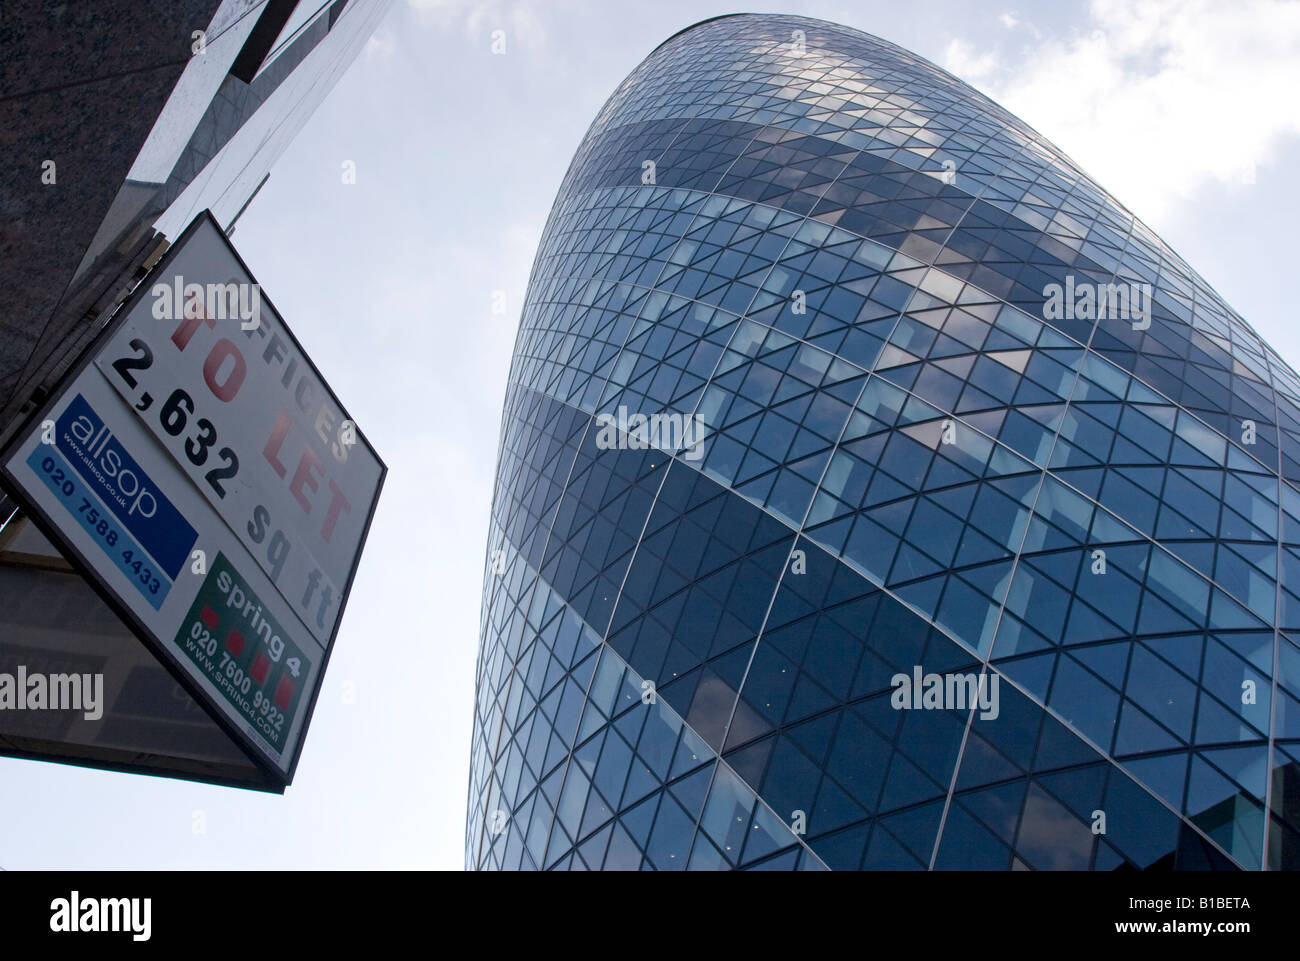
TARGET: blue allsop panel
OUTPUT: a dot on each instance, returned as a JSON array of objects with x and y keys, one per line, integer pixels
[
  {"x": 986, "y": 553},
  {"x": 123, "y": 486},
  {"x": 116, "y": 544}
]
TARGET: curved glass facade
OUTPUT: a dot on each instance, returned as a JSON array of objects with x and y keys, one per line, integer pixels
[{"x": 876, "y": 492}]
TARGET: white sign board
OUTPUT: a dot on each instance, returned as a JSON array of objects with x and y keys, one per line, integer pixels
[{"x": 204, "y": 477}]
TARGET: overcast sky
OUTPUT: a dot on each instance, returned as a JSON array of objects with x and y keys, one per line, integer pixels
[{"x": 1186, "y": 112}]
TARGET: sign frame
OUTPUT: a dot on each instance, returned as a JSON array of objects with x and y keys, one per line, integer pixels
[{"x": 277, "y": 781}]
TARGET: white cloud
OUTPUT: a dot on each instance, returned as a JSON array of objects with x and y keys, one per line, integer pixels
[
  {"x": 1159, "y": 98},
  {"x": 962, "y": 59},
  {"x": 519, "y": 19}
]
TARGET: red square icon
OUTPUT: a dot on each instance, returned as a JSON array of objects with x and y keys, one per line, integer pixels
[
  {"x": 261, "y": 667},
  {"x": 284, "y": 693},
  {"x": 209, "y": 618},
  {"x": 235, "y": 642}
]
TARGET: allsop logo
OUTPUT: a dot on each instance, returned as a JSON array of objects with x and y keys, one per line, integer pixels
[
  {"x": 945, "y": 692},
  {"x": 123, "y": 485},
  {"x": 665, "y": 431},
  {"x": 22, "y": 691},
  {"x": 179, "y": 300},
  {"x": 102, "y": 915}
]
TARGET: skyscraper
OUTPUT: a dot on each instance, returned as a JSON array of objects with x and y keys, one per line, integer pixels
[{"x": 875, "y": 491}]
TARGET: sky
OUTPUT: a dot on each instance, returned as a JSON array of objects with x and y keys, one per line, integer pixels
[{"x": 1184, "y": 111}]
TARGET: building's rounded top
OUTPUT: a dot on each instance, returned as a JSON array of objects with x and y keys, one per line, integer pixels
[
  {"x": 765, "y": 16},
  {"x": 700, "y": 23}
]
